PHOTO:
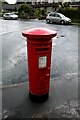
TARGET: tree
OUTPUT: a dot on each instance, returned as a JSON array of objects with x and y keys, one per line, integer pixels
[
  {"x": 38, "y": 13},
  {"x": 25, "y": 10}
]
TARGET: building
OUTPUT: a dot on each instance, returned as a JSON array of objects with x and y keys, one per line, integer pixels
[
  {"x": 34, "y": 3},
  {"x": 49, "y": 5},
  {"x": 43, "y": 1},
  {"x": 48, "y": 1},
  {"x": 75, "y": 0},
  {"x": 75, "y": 5}
]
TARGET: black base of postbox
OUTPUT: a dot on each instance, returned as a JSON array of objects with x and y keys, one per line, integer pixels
[{"x": 38, "y": 99}]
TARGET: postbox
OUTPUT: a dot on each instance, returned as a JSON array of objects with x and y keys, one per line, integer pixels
[{"x": 39, "y": 45}]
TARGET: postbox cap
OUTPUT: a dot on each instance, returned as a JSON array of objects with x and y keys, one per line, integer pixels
[{"x": 39, "y": 32}]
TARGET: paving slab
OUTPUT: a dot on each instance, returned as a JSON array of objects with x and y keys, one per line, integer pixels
[{"x": 62, "y": 101}]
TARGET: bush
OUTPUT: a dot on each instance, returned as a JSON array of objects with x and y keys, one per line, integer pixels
[
  {"x": 25, "y": 11},
  {"x": 23, "y": 16},
  {"x": 40, "y": 13},
  {"x": 73, "y": 13}
]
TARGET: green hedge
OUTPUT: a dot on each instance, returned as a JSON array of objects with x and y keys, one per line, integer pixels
[
  {"x": 73, "y": 13},
  {"x": 1, "y": 14}
]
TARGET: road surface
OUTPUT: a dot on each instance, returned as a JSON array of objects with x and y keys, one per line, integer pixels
[{"x": 64, "y": 69}]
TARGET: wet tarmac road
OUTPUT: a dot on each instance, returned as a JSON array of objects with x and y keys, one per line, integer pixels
[
  {"x": 14, "y": 53},
  {"x": 64, "y": 65}
]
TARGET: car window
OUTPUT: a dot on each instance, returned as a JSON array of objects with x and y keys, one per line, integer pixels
[
  {"x": 12, "y": 14},
  {"x": 56, "y": 15},
  {"x": 51, "y": 15},
  {"x": 7, "y": 14}
]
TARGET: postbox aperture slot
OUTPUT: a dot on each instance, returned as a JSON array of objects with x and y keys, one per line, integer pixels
[
  {"x": 42, "y": 49},
  {"x": 42, "y": 61}
]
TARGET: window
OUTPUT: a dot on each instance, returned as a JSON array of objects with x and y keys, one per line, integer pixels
[
  {"x": 6, "y": 14},
  {"x": 51, "y": 15},
  {"x": 56, "y": 15}
]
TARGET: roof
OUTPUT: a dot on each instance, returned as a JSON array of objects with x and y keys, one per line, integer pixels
[
  {"x": 13, "y": 6},
  {"x": 75, "y": 4},
  {"x": 45, "y": 5},
  {"x": 9, "y": 6}
]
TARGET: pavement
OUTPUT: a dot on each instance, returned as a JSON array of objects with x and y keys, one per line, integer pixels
[
  {"x": 64, "y": 98},
  {"x": 63, "y": 102},
  {"x": 18, "y": 105}
]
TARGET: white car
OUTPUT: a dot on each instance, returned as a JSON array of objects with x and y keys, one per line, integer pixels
[
  {"x": 10, "y": 16},
  {"x": 57, "y": 18}
]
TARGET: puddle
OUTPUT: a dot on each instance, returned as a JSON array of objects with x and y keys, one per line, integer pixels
[{"x": 62, "y": 36}]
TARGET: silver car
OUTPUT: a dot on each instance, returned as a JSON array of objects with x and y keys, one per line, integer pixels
[
  {"x": 57, "y": 18},
  {"x": 10, "y": 16}
]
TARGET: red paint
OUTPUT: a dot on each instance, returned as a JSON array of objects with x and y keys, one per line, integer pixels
[{"x": 39, "y": 44}]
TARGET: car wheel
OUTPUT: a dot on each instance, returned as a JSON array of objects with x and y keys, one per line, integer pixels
[
  {"x": 62, "y": 22},
  {"x": 48, "y": 21},
  {"x": 4, "y": 18},
  {"x": 11, "y": 18}
]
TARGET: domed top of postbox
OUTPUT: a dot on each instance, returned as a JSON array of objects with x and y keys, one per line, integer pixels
[{"x": 39, "y": 33}]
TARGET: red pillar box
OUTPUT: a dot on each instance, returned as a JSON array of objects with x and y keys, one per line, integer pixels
[{"x": 39, "y": 45}]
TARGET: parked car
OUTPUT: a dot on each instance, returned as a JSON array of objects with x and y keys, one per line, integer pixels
[
  {"x": 10, "y": 16},
  {"x": 57, "y": 18}
]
